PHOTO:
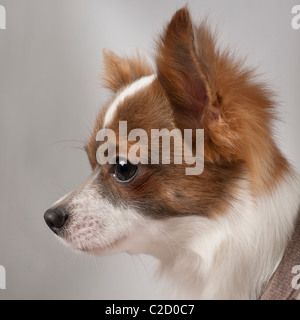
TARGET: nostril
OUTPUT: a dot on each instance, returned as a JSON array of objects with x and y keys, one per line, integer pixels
[{"x": 56, "y": 219}]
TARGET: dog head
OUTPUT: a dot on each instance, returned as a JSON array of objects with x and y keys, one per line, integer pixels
[{"x": 149, "y": 208}]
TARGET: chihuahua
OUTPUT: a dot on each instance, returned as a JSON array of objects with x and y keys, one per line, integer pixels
[{"x": 219, "y": 234}]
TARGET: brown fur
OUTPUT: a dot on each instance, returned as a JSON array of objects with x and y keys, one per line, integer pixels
[
  {"x": 156, "y": 190},
  {"x": 197, "y": 87},
  {"x": 236, "y": 112},
  {"x": 119, "y": 72}
]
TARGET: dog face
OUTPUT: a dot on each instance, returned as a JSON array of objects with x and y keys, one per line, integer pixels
[{"x": 142, "y": 208}]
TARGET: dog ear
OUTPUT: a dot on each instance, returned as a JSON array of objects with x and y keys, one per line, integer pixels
[
  {"x": 184, "y": 78},
  {"x": 119, "y": 72},
  {"x": 180, "y": 72}
]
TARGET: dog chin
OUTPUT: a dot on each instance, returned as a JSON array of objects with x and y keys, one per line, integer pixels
[{"x": 92, "y": 249}]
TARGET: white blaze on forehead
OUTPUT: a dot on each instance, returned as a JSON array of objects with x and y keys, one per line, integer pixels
[{"x": 127, "y": 92}]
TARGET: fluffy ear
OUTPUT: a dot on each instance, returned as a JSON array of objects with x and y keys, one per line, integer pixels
[
  {"x": 180, "y": 73},
  {"x": 184, "y": 77},
  {"x": 119, "y": 72}
]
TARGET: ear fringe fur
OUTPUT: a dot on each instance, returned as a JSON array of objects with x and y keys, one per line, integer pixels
[{"x": 119, "y": 72}]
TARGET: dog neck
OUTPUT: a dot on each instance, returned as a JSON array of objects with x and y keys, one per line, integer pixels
[{"x": 234, "y": 255}]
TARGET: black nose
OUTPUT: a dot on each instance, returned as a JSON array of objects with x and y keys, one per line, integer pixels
[{"x": 56, "y": 219}]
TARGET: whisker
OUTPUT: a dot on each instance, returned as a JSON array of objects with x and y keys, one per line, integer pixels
[
  {"x": 172, "y": 239},
  {"x": 60, "y": 187},
  {"x": 146, "y": 270},
  {"x": 65, "y": 141}
]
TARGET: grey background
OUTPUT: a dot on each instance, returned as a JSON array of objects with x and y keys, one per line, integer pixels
[{"x": 50, "y": 60}]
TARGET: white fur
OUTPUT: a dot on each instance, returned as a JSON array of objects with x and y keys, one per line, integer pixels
[
  {"x": 233, "y": 256},
  {"x": 127, "y": 92},
  {"x": 228, "y": 257},
  {"x": 96, "y": 225}
]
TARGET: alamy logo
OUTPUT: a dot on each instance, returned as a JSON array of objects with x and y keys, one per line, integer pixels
[
  {"x": 296, "y": 278},
  {"x": 2, "y": 18},
  {"x": 2, "y": 278},
  {"x": 183, "y": 150},
  {"x": 296, "y": 18}
]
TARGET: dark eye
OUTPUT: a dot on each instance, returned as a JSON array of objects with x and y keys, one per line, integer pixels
[{"x": 123, "y": 171}]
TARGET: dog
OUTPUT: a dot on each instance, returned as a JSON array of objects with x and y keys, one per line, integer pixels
[{"x": 219, "y": 234}]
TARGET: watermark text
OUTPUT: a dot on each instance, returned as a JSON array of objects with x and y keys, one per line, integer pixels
[
  {"x": 2, "y": 18},
  {"x": 296, "y": 18},
  {"x": 296, "y": 278},
  {"x": 162, "y": 146},
  {"x": 2, "y": 278}
]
